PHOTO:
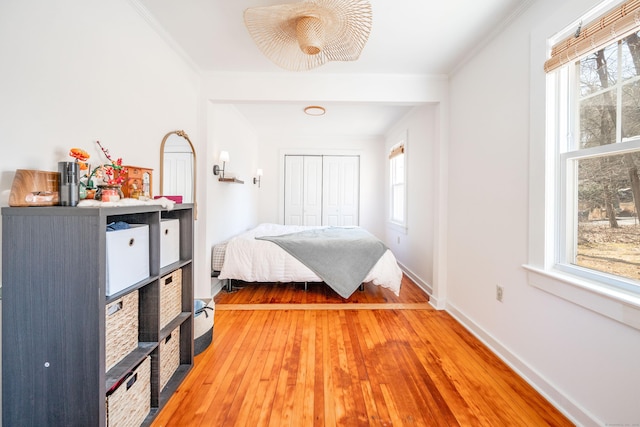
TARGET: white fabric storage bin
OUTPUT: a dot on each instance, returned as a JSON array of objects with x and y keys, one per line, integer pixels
[
  {"x": 203, "y": 325},
  {"x": 169, "y": 241},
  {"x": 127, "y": 257}
]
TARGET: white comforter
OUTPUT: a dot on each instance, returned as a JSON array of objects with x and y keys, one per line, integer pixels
[{"x": 254, "y": 260}]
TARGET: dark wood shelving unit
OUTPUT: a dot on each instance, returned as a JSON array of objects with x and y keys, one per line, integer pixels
[{"x": 54, "y": 306}]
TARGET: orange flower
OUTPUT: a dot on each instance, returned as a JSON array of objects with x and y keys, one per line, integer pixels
[
  {"x": 79, "y": 154},
  {"x": 83, "y": 166}
]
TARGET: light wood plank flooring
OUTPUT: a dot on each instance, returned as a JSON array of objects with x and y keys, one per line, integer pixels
[{"x": 285, "y": 357}]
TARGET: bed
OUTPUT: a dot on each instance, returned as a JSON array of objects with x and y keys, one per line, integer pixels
[{"x": 342, "y": 257}]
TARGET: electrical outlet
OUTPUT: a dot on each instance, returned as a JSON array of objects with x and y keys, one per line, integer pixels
[
  {"x": 499, "y": 292},
  {"x": 398, "y": 239}
]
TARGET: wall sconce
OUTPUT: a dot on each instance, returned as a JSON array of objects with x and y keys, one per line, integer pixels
[
  {"x": 224, "y": 157},
  {"x": 256, "y": 179}
]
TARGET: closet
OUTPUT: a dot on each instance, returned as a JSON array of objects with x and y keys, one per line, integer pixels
[{"x": 322, "y": 190}]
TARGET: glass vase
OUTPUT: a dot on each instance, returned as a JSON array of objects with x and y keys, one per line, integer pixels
[{"x": 109, "y": 193}]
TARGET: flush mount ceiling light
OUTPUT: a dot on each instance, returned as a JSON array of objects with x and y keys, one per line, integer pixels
[
  {"x": 301, "y": 36},
  {"x": 314, "y": 110}
]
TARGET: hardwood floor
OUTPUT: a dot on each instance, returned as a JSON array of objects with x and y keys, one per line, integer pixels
[{"x": 281, "y": 356}]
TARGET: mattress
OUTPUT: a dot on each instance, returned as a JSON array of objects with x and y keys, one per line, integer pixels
[{"x": 248, "y": 259}]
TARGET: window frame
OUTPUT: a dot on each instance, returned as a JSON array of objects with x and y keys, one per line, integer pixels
[
  {"x": 567, "y": 153},
  {"x": 594, "y": 295},
  {"x": 400, "y": 224}
]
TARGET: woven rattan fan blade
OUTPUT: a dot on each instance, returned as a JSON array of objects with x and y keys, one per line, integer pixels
[{"x": 301, "y": 36}]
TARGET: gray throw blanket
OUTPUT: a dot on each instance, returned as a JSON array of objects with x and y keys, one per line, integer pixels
[{"x": 341, "y": 257}]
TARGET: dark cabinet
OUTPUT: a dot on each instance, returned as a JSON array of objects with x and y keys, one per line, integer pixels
[{"x": 54, "y": 270}]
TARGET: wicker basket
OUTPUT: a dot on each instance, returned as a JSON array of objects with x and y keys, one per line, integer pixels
[
  {"x": 130, "y": 403},
  {"x": 169, "y": 356},
  {"x": 170, "y": 297},
  {"x": 121, "y": 325}
]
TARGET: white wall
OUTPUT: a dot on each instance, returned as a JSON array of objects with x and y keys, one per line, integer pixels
[
  {"x": 232, "y": 208},
  {"x": 584, "y": 362},
  {"x": 414, "y": 248},
  {"x": 77, "y": 71}
]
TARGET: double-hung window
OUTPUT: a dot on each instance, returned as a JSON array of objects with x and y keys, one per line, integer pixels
[
  {"x": 397, "y": 183},
  {"x": 594, "y": 117}
]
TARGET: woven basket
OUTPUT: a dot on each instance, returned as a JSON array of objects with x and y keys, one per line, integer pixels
[
  {"x": 169, "y": 357},
  {"x": 170, "y": 297},
  {"x": 130, "y": 403},
  {"x": 121, "y": 324}
]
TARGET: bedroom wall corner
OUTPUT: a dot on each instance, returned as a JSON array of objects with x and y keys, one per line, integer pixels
[{"x": 414, "y": 248}]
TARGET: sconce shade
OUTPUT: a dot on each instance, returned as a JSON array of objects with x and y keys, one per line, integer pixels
[
  {"x": 256, "y": 179},
  {"x": 304, "y": 35},
  {"x": 224, "y": 157}
]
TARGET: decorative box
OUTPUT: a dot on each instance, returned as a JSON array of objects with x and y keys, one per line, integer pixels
[
  {"x": 169, "y": 241},
  {"x": 169, "y": 356},
  {"x": 121, "y": 328},
  {"x": 137, "y": 182},
  {"x": 170, "y": 297},
  {"x": 127, "y": 257},
  {"x": 34, "y": 188},
  {"x": 130, "y": 403}
]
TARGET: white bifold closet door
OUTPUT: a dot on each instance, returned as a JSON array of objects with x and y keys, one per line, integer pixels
[
  {"x": 340, "y": 190},
  {"x": 322, "y": 190},
  {"x": 303, "y": 190}
]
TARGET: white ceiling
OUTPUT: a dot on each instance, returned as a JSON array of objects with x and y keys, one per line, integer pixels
[{"x": 407, "y": 37}]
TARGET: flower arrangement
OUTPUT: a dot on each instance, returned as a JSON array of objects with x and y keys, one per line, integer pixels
[{"x": 112, "y": 173}]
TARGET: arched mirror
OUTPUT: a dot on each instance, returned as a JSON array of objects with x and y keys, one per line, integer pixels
[{"x": 178, "y": 167}]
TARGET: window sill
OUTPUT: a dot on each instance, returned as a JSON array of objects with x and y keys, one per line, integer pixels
[
  {"x": 401, "y": 228},
  {"x": 618, "y": 305}
]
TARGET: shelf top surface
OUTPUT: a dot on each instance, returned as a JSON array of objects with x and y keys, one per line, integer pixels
[{"x": 90, "y": 210}]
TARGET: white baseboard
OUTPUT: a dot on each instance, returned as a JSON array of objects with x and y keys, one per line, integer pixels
[
  {"x": 216, "y": 286},
  {"x": 568, "y": 407},
  {"x": 426, "y": 287}
]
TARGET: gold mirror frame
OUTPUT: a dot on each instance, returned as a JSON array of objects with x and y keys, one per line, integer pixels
[{"x": 184, "y": 135}]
